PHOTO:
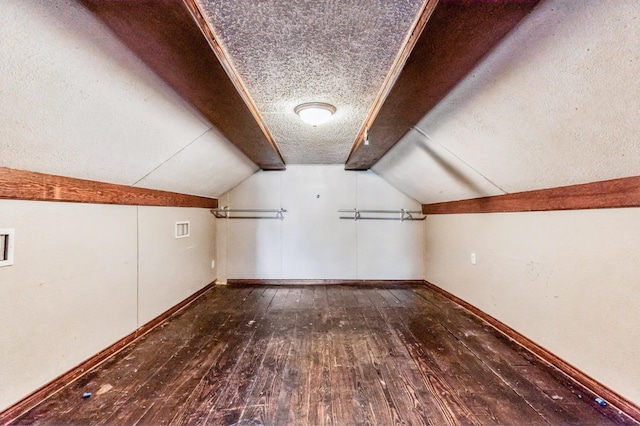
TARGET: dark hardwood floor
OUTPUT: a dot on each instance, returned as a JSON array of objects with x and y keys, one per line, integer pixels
[{"x": 335, "y": 354}]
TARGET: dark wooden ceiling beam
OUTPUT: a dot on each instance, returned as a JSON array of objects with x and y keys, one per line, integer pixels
[
  {"x": 418, "y": 26},
  {"x": 457, "y": 36},
  {"x": 166, "y": 37}
]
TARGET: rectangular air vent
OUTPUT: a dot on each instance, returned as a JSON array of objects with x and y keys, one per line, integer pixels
[
  {"x": 7, "y": 237},
  {"x": 182, "y": 229}
]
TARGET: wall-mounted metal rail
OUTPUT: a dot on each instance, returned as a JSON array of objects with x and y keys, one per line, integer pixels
[
  {"x": 227, "y": 213},
  {"x": 405, "y": 215}
]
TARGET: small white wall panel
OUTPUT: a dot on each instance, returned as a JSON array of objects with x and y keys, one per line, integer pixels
[
  {"x": 70, "y": 293},
  {"x": 172, "y": 269},
  {"x": 312, "y": 242},
  {"x": 254, "y": 246},
  {"x": 316, "y": 244},
  {"x": 209, "y": 166},
  {"x": 387, "y": 249},
  {"x": 568, "y": 280}
]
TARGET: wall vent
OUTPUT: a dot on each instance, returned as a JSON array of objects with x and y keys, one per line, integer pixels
[
  {"x": 182, "y": 229},
  {"x": 7, "y": 237}
]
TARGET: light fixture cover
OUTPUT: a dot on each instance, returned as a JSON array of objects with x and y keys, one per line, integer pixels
[{"x": 315, "y": 113}]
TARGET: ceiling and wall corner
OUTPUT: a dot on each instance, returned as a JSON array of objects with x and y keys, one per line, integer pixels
[
  {"x": 77, "y": 102},
  {"x": 288, "y": 53},
  {"x": 457, "y": 35},
  {"x": 554, "y": 104},
  {"x": 178, "y": 40}
]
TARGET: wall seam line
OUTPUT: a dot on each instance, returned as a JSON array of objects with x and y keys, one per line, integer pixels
[
  {"x": 226, "y": 242},
  {"x": 356, "y": 223},
  {"x": 137, "y": 267},
  {"x": 422, "y": 132},
  {"x": 171, "y": 157},
  {"x": 281, "y": 230}
]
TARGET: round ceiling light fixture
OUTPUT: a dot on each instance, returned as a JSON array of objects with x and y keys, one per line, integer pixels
[{"x": 315, "y": 113}]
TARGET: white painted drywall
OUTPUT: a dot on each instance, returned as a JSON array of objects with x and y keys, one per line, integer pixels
[
  {"x": 555, "y": 103},
  {"x": 171, "y": 269},
  {"x": 312, "y": 242},
  {"x": 70, "y": 292},
  {"x": 76, "y": 102},
  {"x": 75, "y": 287},
  {"x": 568, "y": 280}
]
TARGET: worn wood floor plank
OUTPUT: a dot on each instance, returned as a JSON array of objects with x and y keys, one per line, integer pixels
[
  {"x": 177, "y": 393},
  {"x": 323, "y": 355},
  {"x": 207, "y": 393},
  {"x": 349, "y": 404},
  {"x": 508, "y": 361},
  {"x": 321, "y": 401},
  {"x": 440, "y": 356},
  {"x": 261, "y": 401},
  {"x": 500, "y": 360},
  {"x": 401, "y": 375}
]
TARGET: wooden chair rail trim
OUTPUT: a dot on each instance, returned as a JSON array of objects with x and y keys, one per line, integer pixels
[
  {"x": 609, "y": 395},
  {"x": 25, "y": 185},
  {"x": 614, "y": 193},
  {"x": 57, "y": 384}
]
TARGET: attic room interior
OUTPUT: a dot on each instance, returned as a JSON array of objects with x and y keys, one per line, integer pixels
[{"x": 456, "y": 243}]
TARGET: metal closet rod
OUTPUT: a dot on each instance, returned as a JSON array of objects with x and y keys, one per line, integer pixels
[
  {"x": 404, "y": 214},
  {"x": 224, "y": 213}
]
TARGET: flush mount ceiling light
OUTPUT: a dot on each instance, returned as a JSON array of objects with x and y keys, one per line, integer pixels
[{"x": 315, "y": 113}]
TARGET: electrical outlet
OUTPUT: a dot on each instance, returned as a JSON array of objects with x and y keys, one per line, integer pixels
[
  {"x": 213, "y": 264},
  {"x": 473, "y": 258}
]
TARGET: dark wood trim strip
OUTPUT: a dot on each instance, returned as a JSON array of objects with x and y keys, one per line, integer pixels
[
  {"x": 25, "y": 185},
  {"x": 609, "y": 395},
  {"x": 75, "y": 373},
  {"x": 606, "y": 194},
  {"x": 319, "y": 282}
]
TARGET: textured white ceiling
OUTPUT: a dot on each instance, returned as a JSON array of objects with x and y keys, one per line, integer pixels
[
  {"x": 289, "y": 52},
  {"x": 555, "y": 104}
]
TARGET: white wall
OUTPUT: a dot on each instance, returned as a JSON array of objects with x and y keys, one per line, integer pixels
[
  {"x": 312, "y": 242},
  {"x": 77, "y": 102},
  {"x": 554, "y": 104},
  {"x": 171, "y": 269},
  {"x": 568, "y": 280},
  {"x": 77, "y": 286}
]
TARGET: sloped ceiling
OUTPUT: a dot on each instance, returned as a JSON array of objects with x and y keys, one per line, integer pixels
[
  {"x": 552, "y": 104},
  {"x": 555, "y": 104},
  {"x": 278, "y": 54},
  {"x": 291, "y": 52},
  {"x": 76, "y": 102}
]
